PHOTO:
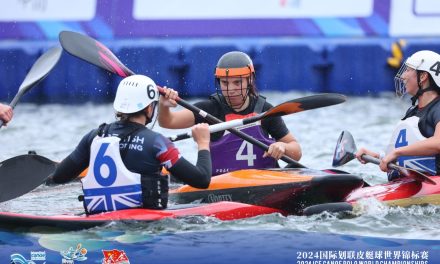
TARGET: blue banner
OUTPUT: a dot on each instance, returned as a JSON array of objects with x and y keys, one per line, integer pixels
[{"x": 224, "y": 246}]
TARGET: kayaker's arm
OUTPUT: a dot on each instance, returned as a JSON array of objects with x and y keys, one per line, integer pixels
[
  {"x": 173, "y": 120},
  {"x": 365, "y": 151},
  {"x": 65, "y": 171},
  {"x": 287, "y": 145},
  {"x": 426, "y": 147},
  {"x": 198, "y": 176},
  {"x": 6, "y": 113},
  {"x": 286, "y": 142},
  {"x": 72, "y": 166}
]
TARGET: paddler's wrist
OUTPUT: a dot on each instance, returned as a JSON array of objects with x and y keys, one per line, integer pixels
[{"x": 203, "y": 145}]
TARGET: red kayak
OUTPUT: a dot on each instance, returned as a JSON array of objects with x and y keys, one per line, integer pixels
[
  {"x": 415, "y": 188},
  {"x": 402, "y": 192},
  {"x": 220, "y": 210}
]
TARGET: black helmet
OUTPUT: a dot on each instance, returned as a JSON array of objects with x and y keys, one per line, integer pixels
[{"x": 234, "y": 64}]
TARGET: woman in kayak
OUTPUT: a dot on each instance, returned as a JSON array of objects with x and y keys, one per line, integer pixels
[
  {"x": 236, "y": 97},
  {"x": 415, "y": 142},
  {"x": 125, "y": 158},
  {"x": 6, "y": 113}
]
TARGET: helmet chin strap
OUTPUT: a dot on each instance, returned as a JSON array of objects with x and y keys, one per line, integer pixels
[
  {"x": 420, "y": 91},
  {"x": 244, "y": 97}
]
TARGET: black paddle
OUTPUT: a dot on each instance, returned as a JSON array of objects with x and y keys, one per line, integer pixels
[
  {"x": 94, "y": 52},
  {"x": 20, "y": 175},
  {"x": 38, "y": 72},
  {"x": 286, "y": 108},
  {"x": 345, "y": 151}
]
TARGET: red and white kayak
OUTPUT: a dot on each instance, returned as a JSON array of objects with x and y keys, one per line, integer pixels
[
  {"x": 220, "y": 210},
  {"x": 402, "y": 192}
]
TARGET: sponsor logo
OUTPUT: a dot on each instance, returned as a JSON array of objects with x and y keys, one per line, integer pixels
[
  {"x": 37, "y": 257},
  {"x": 212, "y": 198},
  {"x": 114, "y": 257},
  {"x": 71, "y": 255}
]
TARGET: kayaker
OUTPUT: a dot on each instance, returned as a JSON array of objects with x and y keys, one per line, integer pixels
[
  {"x": 125, "y": 158},
  {"x": 6, "y": 113},
  {"x": 415, "y": 143},
  {"x": 236, "y": 97}
]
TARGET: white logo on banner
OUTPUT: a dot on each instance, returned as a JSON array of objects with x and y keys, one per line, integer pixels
[{"x": 245, "y": 9}]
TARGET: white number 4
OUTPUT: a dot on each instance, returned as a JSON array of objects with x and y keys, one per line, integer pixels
[{"x": 249, "y": 156}]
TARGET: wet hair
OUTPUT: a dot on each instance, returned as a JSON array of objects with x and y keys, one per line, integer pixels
[
  {"x": 126, "y": 117},
  {"x": 433, "y": 84}
]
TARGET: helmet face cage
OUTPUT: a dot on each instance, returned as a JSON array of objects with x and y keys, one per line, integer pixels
[
  {"x": 399, "y": 82},
  {"x": 421, "y": 61},
  {"x": 229, "y": 94}
]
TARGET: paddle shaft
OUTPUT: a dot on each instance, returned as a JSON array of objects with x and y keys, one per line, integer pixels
[
  {"x": 374, "y": 160},
  {"x": 214, "y": 120},
  {"x": 408, "y": 172},
  {"x": 237, "y": 122},
  {"x": 212, "y": 129},
  {"x": 345, "y": 152}
]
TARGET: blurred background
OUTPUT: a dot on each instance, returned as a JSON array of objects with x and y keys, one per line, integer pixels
[{"x": 352, "y": 47}]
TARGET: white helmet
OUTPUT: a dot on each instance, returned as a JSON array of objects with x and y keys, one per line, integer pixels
[
  {"x": 135, "y": 93},
  {"x": 424, "y": 60}
]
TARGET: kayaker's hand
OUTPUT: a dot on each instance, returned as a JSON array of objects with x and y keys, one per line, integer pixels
[
  {"x": 363, "y": 151},
  {"x": 201, "y": 135},
  {"x": 6, "y": 113},
  {"x": 391, "y": 157},
  {"x": 169, "y": 99},
  {"x": 276, "y": 150}
]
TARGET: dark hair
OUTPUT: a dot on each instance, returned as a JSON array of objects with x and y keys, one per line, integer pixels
[
  {"x": 125, "y": 117},
  {"x": 433, "y": 84}
]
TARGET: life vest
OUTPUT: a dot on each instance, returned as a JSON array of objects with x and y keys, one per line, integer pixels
[
  {"x": 231, "y": 153},
  {"x": 109, "y": 185},
  {"x": 407, "y": 132}
]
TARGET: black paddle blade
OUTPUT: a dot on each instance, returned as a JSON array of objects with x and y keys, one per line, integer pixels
[
  {"x": 20, "y": 175},
  {"x": 92, "y": 51},
  {"x": 345, "y": 149},
  {"x": 305, "y": 103}
]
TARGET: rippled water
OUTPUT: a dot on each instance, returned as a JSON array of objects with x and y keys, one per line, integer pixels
[{"x": 54, "y": 130}]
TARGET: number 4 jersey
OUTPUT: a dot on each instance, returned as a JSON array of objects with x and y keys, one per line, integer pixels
[
  {"x": 230, "y": 152},
  {"x": 417, "y": 125}
]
